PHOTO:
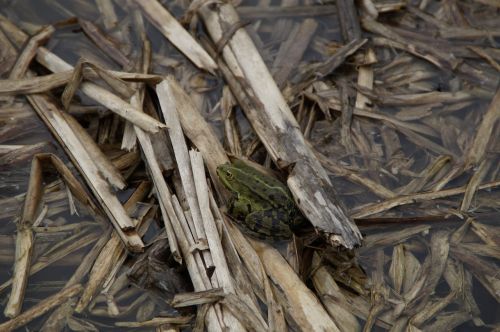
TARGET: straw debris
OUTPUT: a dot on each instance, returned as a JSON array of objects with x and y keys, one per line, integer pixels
[{"x": 381, "y": 118}]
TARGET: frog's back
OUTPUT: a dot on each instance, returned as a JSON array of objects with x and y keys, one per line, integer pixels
[{"x": 269, "y": 188}]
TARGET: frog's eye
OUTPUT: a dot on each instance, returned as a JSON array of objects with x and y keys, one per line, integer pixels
[{"x": 229, "y": 175}]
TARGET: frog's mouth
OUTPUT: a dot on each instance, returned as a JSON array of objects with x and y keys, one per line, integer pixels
[
  {"x": 220, "y": 171},
  {"x": 221, "y": 174}
]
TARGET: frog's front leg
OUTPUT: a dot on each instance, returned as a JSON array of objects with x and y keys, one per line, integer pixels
[
  {"x": 269, "y": 223},
  {"x": 239, "y": 208}
]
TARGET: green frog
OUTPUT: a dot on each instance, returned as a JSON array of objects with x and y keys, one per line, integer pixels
[{"x": 261, "y": 204}]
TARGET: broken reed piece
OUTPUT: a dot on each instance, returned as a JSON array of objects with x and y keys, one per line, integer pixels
[
  {"x": 331, "y": 297},
  {"x": 274, "y": 123},
  {"x": 482, "y": 269},
  {"x": 195, "y": 266},
  {"x": 118, "y": 85},
  {"x": 365, "y": 79},
  {"x": 158, "y": 322},
  {"x": 176, "y": 34},
  {"x": 484, "y": 54},
  {"x": 348, "y": 19},
  {"x": 231, "y": 131},
  {"x": 55, "y": 120},
  {"x": 129, "y": 141},
  {"x": 25, "y": 241},
  {"x": 257, "y": 279},
  {"x": 29, "y": 52},
  {"x": 292, "y": 50},
  {"x": 378, "y": 291},
  {"x": 102, "y": 41},
  {"x": 108, "y": 170},
  {"x": 302, "y": 304},
  {"x": 425, "y": 176},
  {"x": 196, "y": 298},
  {"x": 339, "y": 57},
  {"x": 472, "y": 186}
]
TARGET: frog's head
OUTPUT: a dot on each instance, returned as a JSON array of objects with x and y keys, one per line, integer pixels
[{"x": 226, "y": 174}]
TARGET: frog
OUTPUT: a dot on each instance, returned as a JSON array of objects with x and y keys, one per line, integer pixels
[{"x": 261, "y": 205}]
